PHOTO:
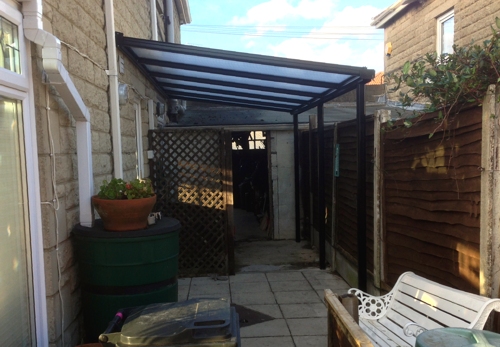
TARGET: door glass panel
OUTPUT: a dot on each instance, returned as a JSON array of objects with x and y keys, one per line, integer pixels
[
  {"x": 9, "y": 46},
  {"x": 15, "y": 317}
]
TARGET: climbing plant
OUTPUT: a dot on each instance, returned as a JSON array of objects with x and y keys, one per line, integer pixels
[{"x": 448, "y": 82}]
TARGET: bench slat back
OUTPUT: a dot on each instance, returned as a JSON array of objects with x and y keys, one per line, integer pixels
[{"x": 425, "y": 302}]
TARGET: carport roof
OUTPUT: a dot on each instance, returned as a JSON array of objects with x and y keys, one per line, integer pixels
[{"x": 240, "y": 79}]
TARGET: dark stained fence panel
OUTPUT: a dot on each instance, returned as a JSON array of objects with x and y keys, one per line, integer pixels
[
  {"x": 190, "y": 174},
  {"x": 329, "y": 172},
  {"x": 346, "y": 187},
  {"x": 432, "y": 200}
]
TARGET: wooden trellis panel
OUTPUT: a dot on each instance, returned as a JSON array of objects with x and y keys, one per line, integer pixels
[{"x": 191, "y": 175}]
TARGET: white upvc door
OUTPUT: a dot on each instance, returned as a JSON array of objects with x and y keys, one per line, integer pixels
[{"x": 23, "y": 314}]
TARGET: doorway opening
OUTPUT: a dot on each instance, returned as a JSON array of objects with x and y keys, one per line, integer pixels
[{"x": 252, "y": 219}]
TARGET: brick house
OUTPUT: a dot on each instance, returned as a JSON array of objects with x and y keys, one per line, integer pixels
[
  {"x": 64, "y": 129},
  {"x": 413, "y": 28}
]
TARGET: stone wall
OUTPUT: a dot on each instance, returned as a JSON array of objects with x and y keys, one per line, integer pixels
[
  {"x": 80, "y": 25},
  {"x": 414, "y": 33}
]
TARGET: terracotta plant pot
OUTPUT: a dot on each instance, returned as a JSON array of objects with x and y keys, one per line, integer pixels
[{"x": 124, "y": 215}]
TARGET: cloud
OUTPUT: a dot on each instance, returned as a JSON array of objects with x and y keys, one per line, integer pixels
[
  {"x": 274, "y": 11},
  {"x": 250, "y": 44},
  {"x": 351, "y": 23}
]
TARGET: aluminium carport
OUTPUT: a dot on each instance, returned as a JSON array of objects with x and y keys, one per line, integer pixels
[{"x": 263, "y": 82}]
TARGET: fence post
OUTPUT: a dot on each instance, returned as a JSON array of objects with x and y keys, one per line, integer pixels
[
  {"x": 381, "y": 116},
  {"x": 490, "y": 196}
]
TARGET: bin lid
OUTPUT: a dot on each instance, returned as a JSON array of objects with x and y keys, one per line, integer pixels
[
  {"x": 162, "y": 226},
  {"x": 179, "y": 323},
  {"x": 457, "y": 337}
]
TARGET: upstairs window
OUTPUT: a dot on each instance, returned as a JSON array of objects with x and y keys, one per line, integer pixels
[
  {"x": 9, "y": 46},
  {"x": 445, "y": 33}
]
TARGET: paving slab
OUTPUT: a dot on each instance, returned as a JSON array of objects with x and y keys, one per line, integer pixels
[
  {"x": 248, "y": 277},
  {"x": 334, "y": 284},
  {"x": 271, "y": 310},
  {"x": 281, "y": 341},
  {"x": 310, "y": 341},
  {"x": 308, "y": 326},
  {"x": 304, "y": 310},
  {"x": 182, "y": 293},
  {"x": 214, "y": 288},
  {"x": 183, "y": 281},
  {"x": 246, "y": 287},
  {"x": 285, "y": 276},
  {"x": 299, "y": 297},
  {"x": 320, "y": 274},
  {"x": 290, "y": 286},
  {"x": 209, "y": 296},
  {"x": 276, "y": 327},
  {"x": 262, "y": 298}
]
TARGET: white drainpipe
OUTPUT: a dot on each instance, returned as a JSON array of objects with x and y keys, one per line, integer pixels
[
  {"x": 60, "y": 79},
  {"x": 154, "y": 22},
  {"x": 113, "y": 89},
  {"x": 170, "y": 26}
]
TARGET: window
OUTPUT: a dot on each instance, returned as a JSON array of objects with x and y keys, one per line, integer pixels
[
  {"x": 445, "y": 33},
  {"x": 9, "y": 46},
  {"x": 245, "y": 140}
]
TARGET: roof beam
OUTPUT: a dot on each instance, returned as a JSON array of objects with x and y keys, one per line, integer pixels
[
  {"x": 231, "y": 103},
  {"x": 170, "y": 86},
  {"x": 232, "y": 84},
  {"x": 243, "y": 102}
]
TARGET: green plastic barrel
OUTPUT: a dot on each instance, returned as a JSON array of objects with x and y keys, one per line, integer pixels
[{"x": 125, "y": 269}]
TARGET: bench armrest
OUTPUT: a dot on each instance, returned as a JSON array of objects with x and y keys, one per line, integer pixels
[
  {"x": 484, "y": 313},
  {"x": 413, "y": 329},
  {"x": 371, "y": 307},
  {"x": 343, "y": 331}
]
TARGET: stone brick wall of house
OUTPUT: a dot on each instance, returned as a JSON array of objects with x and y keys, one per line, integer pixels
[
  {"x": 81, "y": 24},
  {"x": 414, "y": 33}
]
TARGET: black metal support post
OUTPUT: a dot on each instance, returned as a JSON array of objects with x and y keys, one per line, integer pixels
[
  {"x": 361, "y": 191},
  {"x": 321, "y": 187},
  {"x": 296, "y": 156}
]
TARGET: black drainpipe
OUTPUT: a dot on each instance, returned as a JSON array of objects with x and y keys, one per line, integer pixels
[
  {"x": 321, "y": 187},
  {"x": 361, "y": 191},
  {"x": 296, "y": 163}
]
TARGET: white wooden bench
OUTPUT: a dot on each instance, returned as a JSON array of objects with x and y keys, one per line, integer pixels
[{"x": 414, "y": 305}]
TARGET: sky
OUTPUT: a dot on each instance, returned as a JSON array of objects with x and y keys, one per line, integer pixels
[{"x": 331, "y": 31}]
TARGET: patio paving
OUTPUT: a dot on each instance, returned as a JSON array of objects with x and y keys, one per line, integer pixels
[
  {"x": 278, "y": 280},
  {"x": 292, "y": 299},
  {"x": 278, "y": 289}
]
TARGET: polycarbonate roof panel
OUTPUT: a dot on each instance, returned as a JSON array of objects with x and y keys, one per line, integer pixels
[{"x": 240, "y": 79}]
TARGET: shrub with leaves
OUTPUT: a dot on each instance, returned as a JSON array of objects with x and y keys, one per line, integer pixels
[
  {"x": 118, "y": 189},
  {"x": 450, "y": 81}
]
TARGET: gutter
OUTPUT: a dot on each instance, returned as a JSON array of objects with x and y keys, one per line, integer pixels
[
  {"x": 389, "y": 13},
  {"x": 59, "y": 78}
]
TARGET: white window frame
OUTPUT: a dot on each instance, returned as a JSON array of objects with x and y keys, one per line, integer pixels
[
  {"x": 441, "y": 19},
  {"x": 20, "y": 87},
  {"x": 7, "y": 77},
  {"x": 138, "y": 134}
]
